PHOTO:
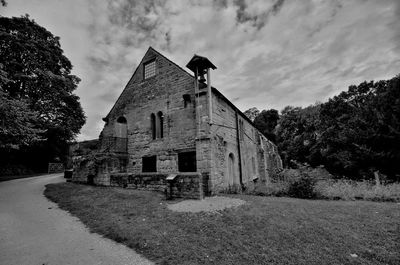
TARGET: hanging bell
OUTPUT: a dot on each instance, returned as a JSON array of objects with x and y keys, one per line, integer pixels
[{"x": 202, "y": 78}]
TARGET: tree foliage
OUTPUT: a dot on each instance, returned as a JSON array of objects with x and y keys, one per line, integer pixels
[
  {"x": 297, "y": 133},
  {"x": 36, "y": 81},
  {"x": 353, "y": 134},
  {"x": 252, "y": 113},
  {"x": 266, "y": 122},
  {"x": 17, "y": 123},
  {"x": 361, "y": 129}
]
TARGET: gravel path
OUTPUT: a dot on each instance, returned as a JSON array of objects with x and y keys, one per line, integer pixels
[
  {"x": 209, "y": 204},
  {"x": 34, "y": 230}
]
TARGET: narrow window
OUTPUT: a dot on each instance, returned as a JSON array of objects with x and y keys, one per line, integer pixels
[
  {"x": 187, "y": 161},
  {"x": 186, "y": 100},
  {"x": 120, "y": 141},
  {"x": 122, "y": 164},
  {"x": 149, "y": 69},
  {"x": 230, "y": 176},
  {"x": 160, "y": 125},
  {"x": 121, "y": 127},
  {"x": 153, "y": 125},
  {"x": 149, "y": 164}
]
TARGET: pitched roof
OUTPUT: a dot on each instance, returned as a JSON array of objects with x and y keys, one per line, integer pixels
[
  {"x": 216, "y": 91},
  {"x": 201, "y": 62}
]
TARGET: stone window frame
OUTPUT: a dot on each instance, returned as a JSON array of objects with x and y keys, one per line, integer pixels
[
  {"x": 149, "y": 72},
  {"x": 157, "y": 125}
]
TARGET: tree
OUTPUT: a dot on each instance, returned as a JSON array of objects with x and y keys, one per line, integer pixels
[
  {"x": 361, "y": 129},
  {"x": 16, "y": 123},
  {"x": 266, "y": 122},
  {"x": 35, "y": 77},
  {"x": 353, "y": 134},
  {"x": 297, "y": 134},
  {"x": 252, "y": 113}
]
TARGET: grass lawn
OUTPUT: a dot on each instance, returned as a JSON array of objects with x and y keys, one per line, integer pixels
[{"x": 266, "y": 230}]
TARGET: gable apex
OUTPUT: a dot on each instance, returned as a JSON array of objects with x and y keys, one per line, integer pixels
[
  {"x": 146, "y": 55},
  {"x": 163, "y": 56}
]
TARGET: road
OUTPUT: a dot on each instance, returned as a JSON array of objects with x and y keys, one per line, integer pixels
[{"x": 34, "y": 230}]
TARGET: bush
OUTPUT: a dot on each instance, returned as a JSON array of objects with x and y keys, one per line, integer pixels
[
  {"x": 303, "y": 188},
  {"x": 277, "y": 189},
  {"x": 15, "y": 170},
  {"x": 353, "y": 190},
  {"x": 232, "y": 189}
]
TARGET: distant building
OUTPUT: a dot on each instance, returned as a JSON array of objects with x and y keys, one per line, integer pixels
[{"x": 171, "y": 130}]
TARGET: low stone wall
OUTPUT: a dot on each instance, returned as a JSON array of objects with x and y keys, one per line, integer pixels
[
  {"x": 145, "y": 181},
  {"x": 188, "y": 185},
  {"x": 182, "y": 185}
]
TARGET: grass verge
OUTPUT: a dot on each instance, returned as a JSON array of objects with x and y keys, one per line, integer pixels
[
  {"x": 333, "y": 190},
  {"x": 266, "y": 230}
]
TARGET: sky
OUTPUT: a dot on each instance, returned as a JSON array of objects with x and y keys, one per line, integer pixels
[{"x": 268, "y": 53}]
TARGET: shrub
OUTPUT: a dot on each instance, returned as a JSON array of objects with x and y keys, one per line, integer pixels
[
  {"x": 271, "y": 189},
  {"x": 232, "y": 189},
  {"x": 303, "y": 188},
  {"x": 353, "y": 190},
  {"x": 15, "y": 170}
]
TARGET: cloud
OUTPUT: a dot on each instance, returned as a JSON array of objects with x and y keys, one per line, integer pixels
[
  {"x": 256, "y": 13},
  {"x": 269, "y": 53}
]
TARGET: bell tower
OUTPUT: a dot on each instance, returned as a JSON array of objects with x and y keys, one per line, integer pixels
[{"x": 201, "y": 66}]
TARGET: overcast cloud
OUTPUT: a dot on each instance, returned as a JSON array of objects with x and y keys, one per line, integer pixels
[{"x": 269, "y": 54}]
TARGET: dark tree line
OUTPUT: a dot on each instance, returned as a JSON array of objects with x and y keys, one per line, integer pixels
[
  {"x": 39, "y": 113},
  {"x": 352, "y": 134}
]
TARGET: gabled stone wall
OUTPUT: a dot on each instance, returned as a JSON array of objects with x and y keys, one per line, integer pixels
[{"x": 164, "y": 92}]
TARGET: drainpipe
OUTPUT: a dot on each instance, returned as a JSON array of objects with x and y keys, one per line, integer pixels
[
  {"x": 239, "y": 150},
  {"x": 196, "y": 101},
  {"x": 209, "y": 97}
]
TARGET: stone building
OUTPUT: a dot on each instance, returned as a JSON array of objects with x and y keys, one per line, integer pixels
[{"x": 170, "y": 130}]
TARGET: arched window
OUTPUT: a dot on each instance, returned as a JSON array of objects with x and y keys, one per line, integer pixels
[
  {"x": 160, "y": 125},
  {"x": 153, "y": 125},
  {"x": 231, "y": 169},
  {"x": 121, "y": 128},
  {"x": 121, "y": 120}
]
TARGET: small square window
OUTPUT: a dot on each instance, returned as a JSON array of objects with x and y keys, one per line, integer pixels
[
  {"x": 187, "y": 162},
  {"x": 149, "y": 69},
  {"x": 149, "y": 164}
]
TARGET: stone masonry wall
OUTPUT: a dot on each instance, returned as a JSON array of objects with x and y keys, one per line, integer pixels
[
  {"x": 259, "y": 157},
  {"x": 184, "y": 185},
  {"x": 163, "y": 92},
  {"x": 96, "y": 168}
]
